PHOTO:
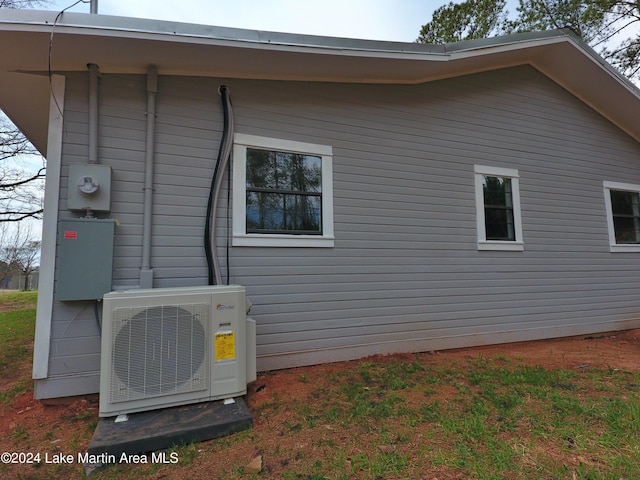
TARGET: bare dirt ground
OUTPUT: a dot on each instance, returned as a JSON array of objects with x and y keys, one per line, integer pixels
[{"x": 29, "y": 425}]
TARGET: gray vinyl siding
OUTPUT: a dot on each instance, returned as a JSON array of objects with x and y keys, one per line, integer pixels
[{"x": 405, "y": 273}]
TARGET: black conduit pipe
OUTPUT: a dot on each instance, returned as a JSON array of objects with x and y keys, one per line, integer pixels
[{"x": 224, "y": 154}]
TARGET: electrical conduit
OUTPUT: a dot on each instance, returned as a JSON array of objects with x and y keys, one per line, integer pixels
[
  {"x": 146, "y": 272},
  {"x": 224, "y": 154},
  {"x": 93, "y": 113}
]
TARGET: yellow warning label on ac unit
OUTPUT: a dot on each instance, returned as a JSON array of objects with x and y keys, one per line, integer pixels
[{"x": 225, "y": 346}]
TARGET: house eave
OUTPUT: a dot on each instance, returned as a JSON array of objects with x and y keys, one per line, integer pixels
[{"x": 42, "y": 43}]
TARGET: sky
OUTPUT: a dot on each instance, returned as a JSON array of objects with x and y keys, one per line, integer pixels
[{"x": 393, "y": 20}]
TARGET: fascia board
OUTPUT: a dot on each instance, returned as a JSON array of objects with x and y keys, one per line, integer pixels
[
  {"x": 587, "y": 76},
  {"x": 126, "y": 45}
]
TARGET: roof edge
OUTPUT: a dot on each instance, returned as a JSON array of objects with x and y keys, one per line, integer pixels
[
  {"x": 185, "y": 49},
  {"x": 38, "y": 20}
]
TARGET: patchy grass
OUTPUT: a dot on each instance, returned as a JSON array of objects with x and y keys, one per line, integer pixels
[
  {"x": 14, "y": 300},
  {"x": 17, "y": 324},
  {"x": 409, "y": 416},
  {"x": 486, "y": 418}
]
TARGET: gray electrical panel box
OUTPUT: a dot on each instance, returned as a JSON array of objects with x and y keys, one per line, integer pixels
[{"x": 85, "y": 258}]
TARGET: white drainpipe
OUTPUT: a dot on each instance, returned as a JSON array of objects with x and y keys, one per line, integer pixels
[{"x": 146, "y": 272}]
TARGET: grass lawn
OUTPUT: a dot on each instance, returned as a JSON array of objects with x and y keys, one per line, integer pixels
[
  {"x": 462, "y": 415},
  {"x": 17, "y": 324}
]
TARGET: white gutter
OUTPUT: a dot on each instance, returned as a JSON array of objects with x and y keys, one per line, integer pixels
[
  {"x": 42, "y": 339},
  {"x": 146, "y": 272}
]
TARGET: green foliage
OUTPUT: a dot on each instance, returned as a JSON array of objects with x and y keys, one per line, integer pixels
[
  {"x": 585, "y": 18},
  {"x": 468, "y": 20},
  {"x": 610, "y": 26}
]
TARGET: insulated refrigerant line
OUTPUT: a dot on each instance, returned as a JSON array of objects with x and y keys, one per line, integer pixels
[{"x": 224, "y": 154}]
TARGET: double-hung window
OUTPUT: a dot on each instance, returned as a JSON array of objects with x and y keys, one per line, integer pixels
[
  {"x": 499, "y": 223},
  {"x": 622, "y": 202},
  {"x": 282, "y": 193}
]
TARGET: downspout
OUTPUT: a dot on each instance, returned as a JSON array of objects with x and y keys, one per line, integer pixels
[
  {"x": 93, "y": 113},
  {"x": 146, "y": 272}
]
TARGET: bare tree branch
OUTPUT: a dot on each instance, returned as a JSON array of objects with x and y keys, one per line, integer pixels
[
  {"x": 22, "y": 3},
  {"x": 610, "y": 25},
  {"x": 21, "y": 183}
]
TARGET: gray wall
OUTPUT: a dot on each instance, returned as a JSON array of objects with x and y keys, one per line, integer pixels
[{"x": 405, "y": 273}]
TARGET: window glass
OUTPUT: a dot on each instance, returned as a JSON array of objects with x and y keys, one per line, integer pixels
[
  {"x": 625, "y": 207},
  {"x": 283, "y": 192},
  {"x": 498, "y": 209},
  {"x": 283, "y": 170}
]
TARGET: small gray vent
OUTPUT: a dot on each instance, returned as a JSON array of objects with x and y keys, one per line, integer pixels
[{"x": 159, "y": 350}]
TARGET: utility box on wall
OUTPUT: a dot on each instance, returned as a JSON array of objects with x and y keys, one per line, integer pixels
[
  {"x": 89, "y": 188},
  {"x": 85, "y": 258}
]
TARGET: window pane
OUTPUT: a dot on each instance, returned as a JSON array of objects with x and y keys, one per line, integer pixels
[
  {"x": 284, "y": 192},
  {"x": 626, "y": 229},
  {"x": 625, "y": 207},
  {"x": 624, "y": 203},
  {"x": 499, "y": 224},
  {"x": 299, "y": 173},
  {"x": 283, "y": 213},
  {"x": 260, "y": 172},
  {"x": 497, "y": 191},
  {"x": 265, "y": 211},
  {"x": 498, "y": 209},
  {"x": 283, "y": 171}
]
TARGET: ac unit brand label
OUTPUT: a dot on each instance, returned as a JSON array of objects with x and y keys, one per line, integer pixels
[
  {"x": 222, "y": 306},
  {"x": 225, "y": 346},
  {"x": 70, "y": 235}
]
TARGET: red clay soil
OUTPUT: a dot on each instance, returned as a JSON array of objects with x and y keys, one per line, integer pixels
[{"x": 29, "y": 425}]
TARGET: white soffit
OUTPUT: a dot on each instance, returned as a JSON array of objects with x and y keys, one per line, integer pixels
[{"x": 128, "y": 45}]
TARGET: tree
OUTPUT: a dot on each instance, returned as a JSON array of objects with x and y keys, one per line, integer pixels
[
  {"x": 468, "y": 20},
  {"x": 609, "y": 26},
  {"x": 22, "y": 3},
  {"x": 20, "y": 187},
  {"x": 19, "y": 252}
]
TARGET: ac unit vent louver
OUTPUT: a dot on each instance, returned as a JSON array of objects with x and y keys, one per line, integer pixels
[{"x": 159, "y": 351}]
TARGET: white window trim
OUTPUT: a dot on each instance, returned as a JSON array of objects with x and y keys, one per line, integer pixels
[
  {"x": 483, "y": 244},
  {"x": 240, "y": 235},
  {"x": 626, "y": 187}
]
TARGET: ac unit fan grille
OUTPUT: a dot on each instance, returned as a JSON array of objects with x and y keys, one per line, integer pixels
[{"x": 160, "y": 350}]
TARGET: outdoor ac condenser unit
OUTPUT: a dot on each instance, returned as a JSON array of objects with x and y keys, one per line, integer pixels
[{"x": 172, "y": 346}]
